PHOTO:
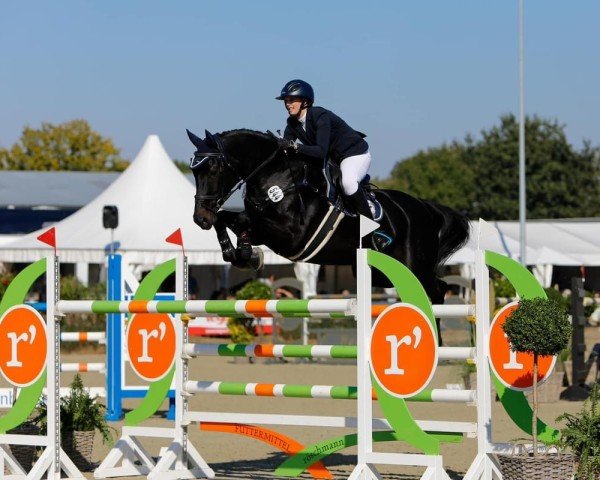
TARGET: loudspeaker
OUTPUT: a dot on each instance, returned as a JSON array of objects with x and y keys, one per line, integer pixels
[{"x": 110, "y": 216}]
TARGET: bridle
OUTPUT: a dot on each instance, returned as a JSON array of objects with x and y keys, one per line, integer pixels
[{"x": 225, "y": 161}]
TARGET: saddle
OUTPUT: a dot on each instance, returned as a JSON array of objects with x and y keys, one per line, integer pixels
[{"x": 333, "y": 177}]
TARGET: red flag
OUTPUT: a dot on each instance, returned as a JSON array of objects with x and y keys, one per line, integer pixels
[
  {"x": 49, "y": 237},
  {"x": 175, "y": 238}
]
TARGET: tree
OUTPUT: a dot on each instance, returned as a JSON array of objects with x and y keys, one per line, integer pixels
[
  {"x": 184, "y": 167},
  {"x": 439, "y": 174},
  {"x": 481, "y": 176},
  {"x": 561, "y": 182},
  {"x": 68, "y": 146}
]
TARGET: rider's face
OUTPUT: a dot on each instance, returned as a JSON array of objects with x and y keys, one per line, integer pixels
[{"x": 293, "y": 105}]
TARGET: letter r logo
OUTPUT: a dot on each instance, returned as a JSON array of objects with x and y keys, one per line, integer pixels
[{"x": 151, "y": 345}]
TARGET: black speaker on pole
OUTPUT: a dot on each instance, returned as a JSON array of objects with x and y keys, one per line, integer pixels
[{"x": 110, "y": 216}]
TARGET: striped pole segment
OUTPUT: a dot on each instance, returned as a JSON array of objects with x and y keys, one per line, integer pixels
[
  {"x": 338, "y": 392},
  {"x": 301, "y": 351},
  {"x": 83, "y": 367},
  {"x": 82, "y": 337},
  {"x": 269, "y": 351},
  {"x": 224, "y": 308},
  {"x": 340, "y": 308}
]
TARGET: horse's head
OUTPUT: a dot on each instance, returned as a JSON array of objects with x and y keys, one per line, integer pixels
[{"x": 220, "y": 163}]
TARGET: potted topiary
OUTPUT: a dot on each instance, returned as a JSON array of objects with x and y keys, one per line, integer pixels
[
  {"x": 241, "y": 329},
  {"x": 80, "y": 417},
  {"x": 539, "y": 327},
  {"x": 581, "y": 434}
]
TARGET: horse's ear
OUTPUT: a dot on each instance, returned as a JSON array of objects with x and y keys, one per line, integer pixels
[
  {"x": 210, "y": 139},
  {"x": 197, "y": 141}
]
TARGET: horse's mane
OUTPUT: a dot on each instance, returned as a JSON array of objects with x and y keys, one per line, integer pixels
[{"x": 247, "y": 131}]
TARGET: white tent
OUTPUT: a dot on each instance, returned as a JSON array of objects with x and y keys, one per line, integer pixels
[
  {"x": 549, "y": 243},
  {"x": 154, "y": 199}
]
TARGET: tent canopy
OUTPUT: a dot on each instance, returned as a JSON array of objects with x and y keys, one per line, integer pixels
[
  {"x": 154, "y": 199},
  {"x": 549, "y": 242}
]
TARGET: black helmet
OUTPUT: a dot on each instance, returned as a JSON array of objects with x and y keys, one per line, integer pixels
[{"x": 297, "y": 88}]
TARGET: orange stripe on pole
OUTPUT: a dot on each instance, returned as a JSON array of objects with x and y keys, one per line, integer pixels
[
  {"x": 264, "y": 389},
  {"x": 263, "y": 350},
  {"x": 138, "y": 306},
  {"x": 271, "y": 437},
  {"x": 82, "y": 367},
  {"x": 377, "y": 309},
  {"x": 258, "y": 308},
  {"x": 83, "y": 337}
]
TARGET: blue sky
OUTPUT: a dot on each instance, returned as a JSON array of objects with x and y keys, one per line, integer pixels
[{"x": 411, "y": 74}]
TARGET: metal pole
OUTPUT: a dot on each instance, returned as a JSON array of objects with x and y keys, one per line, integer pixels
[{"x": 522, "y": 195}]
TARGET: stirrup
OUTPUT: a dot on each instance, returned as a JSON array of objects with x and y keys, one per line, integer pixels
[{"x": 381, "y": 240}]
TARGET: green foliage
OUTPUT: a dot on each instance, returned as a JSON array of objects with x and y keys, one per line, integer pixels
[
  {"x": 182, "y": 166},
  {"x": 503, "y": 287},
  {"x": 254, "y": 290},
  {"x": 582, "y": 435},
  {"x": 68, "y": 146},
  {"x": 480, "y": 176},
  {"x": 5, "y": 280},
  {"x": 241, "y": 329},
  {"x": 78, "y": 412},
  {"x": 556, "y": 296},
  {"x": 538, "y": 326},
  {"x": 440, "y": 174},
  {"x": 72, "y": 289}
]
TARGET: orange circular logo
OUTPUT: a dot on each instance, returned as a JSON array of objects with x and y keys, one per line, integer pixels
[
  {"x": 403, "y": 350},
  {"x": 151, "y": 345},
  {"x": 23, "y": 345},
  {"x": 514, "y": 369}
]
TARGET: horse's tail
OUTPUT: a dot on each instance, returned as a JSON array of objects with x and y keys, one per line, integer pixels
[{"x": 453, "y": 233}]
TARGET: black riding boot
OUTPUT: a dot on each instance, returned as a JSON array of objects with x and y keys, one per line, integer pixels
[{"x": 359, "y": 201}]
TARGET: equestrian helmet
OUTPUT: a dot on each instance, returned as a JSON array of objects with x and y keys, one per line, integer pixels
[{"x": 297, "y": 88}]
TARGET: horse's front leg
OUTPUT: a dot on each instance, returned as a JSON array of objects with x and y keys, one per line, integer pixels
[
  {"x": 224, "y": 220},
  {"x": 244, "y": 255}
]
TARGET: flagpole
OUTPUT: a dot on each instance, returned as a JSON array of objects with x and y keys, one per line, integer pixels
[{"x": 522, "y": 191}]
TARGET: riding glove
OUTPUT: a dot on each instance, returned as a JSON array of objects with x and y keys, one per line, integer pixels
[{"x": 288, "y": 146}]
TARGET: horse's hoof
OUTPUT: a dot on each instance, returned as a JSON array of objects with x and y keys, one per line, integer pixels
[{"x": 257, "y": 260}]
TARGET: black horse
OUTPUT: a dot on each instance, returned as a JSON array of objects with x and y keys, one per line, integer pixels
[{"x": 291, "y": 207}]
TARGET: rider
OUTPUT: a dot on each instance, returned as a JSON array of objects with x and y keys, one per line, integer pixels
[{"x": 321, "y": 134}]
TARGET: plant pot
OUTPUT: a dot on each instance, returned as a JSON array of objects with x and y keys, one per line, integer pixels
[
  {"x": 554, "y": 466},
  {"x": 78, "y": 446},
  {"x": 24, "y": 453}
]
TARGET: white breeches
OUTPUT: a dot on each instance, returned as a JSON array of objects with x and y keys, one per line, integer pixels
[{"x": 354, "y": 170}]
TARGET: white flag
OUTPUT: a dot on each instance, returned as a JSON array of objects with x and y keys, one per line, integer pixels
[
  {"x": 484, "y": 230},
  {"x": 367, "y": 226}
]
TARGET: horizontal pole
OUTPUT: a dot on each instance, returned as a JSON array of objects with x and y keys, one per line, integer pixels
[
  {"x": 341, "y": 308},
  {"x": 224, "y": 308},
  {"x": 83, "y": 367},
  {"x": 269, "y": 350},
  {"x": 82, "y": 337},
  {"x": 468, "y": 428},
  {"x": 338, "y": 392},
  {"x": 300, "y": 351}
]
